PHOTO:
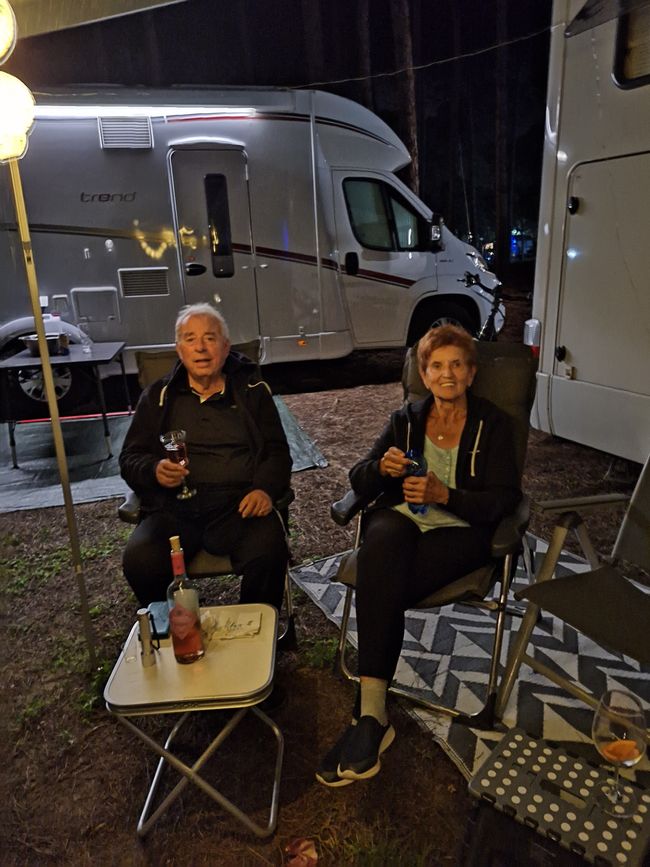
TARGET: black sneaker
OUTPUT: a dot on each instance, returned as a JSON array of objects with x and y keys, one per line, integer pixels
[
  {"x": 327, "y": 774},
  {"x": 360, "y": 755}
]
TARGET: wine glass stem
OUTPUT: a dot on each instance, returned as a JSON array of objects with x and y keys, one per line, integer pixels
[{"x": 617, "y": 794}]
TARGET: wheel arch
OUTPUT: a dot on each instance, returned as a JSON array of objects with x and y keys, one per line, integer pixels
[{"x": 429, "y": 308}]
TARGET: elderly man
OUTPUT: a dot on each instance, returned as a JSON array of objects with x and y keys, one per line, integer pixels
[{"x": 239, "y": 464}]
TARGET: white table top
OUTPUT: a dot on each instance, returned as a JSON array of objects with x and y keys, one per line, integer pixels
[{"x": 234, "y": 673}]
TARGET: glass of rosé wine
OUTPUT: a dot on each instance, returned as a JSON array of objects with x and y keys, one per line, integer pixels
[
  {"x": 619, "y": 733},
  {"x": 176, "y": 451}
]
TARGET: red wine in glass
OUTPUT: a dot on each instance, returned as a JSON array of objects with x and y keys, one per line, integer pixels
[{"x": 176, "y": 451}]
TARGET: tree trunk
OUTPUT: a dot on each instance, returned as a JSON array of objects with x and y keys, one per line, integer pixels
[
  {"x": 502, "y": 221},
  {"x": 313, "y": 30},
  {"x": 455, "y": 153},
  {"x": 401, "y": 21},
  {"x": 363, "y": 33}
]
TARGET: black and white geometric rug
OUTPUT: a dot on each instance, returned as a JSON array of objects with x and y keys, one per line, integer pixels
[{"x": 447, "y": 652}]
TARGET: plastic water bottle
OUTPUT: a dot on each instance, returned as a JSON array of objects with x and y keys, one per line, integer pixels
[
  {"x": 417, "y": 467},
  {"x": 86, "y": 342}
]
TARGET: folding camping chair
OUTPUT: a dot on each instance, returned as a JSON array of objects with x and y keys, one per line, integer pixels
[
  {"x": 601, "y": 603},
  {"x": 506, "y": 376},
  {"x": 152, "y": 365}
]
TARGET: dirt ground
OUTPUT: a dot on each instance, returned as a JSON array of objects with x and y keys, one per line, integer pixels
[{"x": 73, "y": 779}]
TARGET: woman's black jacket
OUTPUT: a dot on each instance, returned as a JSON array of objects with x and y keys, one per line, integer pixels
[{"x": 487, "y": 479}]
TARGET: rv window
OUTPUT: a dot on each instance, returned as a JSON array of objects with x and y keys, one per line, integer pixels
[
  {"x": 381, "y": 219},
  {"x": 406, "y": 226},
  {"x": 216, "y": 196},
  {"x": 367, "y": 211},
  {"x": 632, "y": 61}
]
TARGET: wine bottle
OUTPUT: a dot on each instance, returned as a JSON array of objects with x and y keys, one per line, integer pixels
[{"x": 184, "y": 617}]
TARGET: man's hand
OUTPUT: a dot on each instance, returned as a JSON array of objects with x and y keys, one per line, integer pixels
[
  {"x": 425, "y": 489},
  {"x": 256, "y": 504},
  {"x": 169, "y": 474}
]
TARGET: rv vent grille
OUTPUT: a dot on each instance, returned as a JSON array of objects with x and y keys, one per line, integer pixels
[
  {"x": 143, "y": 281},
  {"x": 125, "y": 132}
]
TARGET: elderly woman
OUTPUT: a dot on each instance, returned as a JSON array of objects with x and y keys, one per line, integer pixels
[{"x": 422, "y": 531}]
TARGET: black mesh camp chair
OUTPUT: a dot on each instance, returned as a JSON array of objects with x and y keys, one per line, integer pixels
[
  {"x": 506, "y": 376},
  {"x": 601, "y": 603},
  {"x": 152, "y": 365}
]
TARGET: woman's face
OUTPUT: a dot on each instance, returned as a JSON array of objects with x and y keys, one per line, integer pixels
[{"x": 448, "y": 374}]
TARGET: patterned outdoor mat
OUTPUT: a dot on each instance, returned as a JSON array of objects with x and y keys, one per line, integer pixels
[{"x": 447, "y": 652}]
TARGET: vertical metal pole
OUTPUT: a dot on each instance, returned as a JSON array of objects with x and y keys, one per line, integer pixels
[{"x": 26, "y": 244}]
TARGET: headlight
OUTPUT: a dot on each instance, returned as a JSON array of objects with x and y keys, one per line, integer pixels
[{"x": 477, "y": 260}]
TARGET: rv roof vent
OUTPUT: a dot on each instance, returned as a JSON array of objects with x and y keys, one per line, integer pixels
[
  {"x": 143, "y": 281},
  {"x": 125, "y": 132}
]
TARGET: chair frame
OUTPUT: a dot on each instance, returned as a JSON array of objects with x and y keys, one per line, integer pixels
[
  {"x": 506, "y": 546},
  {"x": 570, "y": 519}
]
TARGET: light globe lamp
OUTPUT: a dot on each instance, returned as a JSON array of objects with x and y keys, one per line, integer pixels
[
  {"x": 16, "y": 117},
  {"x": 7, "y": 30}
]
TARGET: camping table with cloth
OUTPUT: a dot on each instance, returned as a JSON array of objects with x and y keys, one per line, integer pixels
[
  {"x": 235, "y": 674},
  {"x": 101, "y": 353}
]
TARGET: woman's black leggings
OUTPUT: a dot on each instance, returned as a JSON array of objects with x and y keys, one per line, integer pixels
[{"x": 398, "y": 566}]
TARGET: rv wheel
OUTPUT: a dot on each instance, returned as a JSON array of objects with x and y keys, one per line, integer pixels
[
  {"x": 447, "y": 314},
  {"x": 27, "y": 393}
]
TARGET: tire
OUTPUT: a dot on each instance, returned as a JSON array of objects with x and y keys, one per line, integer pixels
[
  {"x": 442, "y": 314},
  {"x": 27, "y": 391}
]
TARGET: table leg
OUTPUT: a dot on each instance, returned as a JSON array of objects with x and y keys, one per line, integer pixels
[
  {"x": 125, "y": 383},
  {"x": 11, "y": 426},
  {"x": 102, "y": 406},
  {"x": 190, "y": 774}
]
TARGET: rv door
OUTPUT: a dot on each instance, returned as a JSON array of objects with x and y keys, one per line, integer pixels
[
  {"x": 384, "y": 244},
  {"x": 213, "y": 231}
]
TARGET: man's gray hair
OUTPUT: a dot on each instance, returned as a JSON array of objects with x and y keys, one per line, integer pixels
[{"x": 201, "y": 309}]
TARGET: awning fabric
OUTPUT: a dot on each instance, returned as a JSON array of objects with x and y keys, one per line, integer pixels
[
  {"x": 43, "y": 16},
  {"x": 596, "y": 12}
]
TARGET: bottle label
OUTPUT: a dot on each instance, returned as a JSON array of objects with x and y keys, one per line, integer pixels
[
  {"x": 178, "y": 563},
  {"x": 184, "y": 616}
]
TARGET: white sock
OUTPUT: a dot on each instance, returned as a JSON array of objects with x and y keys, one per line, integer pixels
[{"x": 373, "y": 699}]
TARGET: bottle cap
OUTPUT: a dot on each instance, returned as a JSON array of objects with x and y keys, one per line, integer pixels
[{"x": 175, "y": 542}]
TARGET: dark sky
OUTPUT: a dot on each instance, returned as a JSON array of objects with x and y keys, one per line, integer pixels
[{"x": 262, "y": 43}]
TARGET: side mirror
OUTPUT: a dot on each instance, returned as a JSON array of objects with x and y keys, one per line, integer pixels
[{"x": 436, "y": 233}]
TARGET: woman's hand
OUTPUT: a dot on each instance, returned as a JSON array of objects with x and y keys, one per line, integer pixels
[
  {"x": 170, "y": 474},
  {"x": 393, "y": 463},
  {"x": 427, "y": 489}
]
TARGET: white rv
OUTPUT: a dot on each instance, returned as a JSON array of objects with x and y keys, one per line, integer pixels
[
  {"x": 591, "y": 307},
  {"x": 281, "y": 207}
]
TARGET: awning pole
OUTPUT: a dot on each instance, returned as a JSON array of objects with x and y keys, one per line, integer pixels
[{"x": 26, "y": 243}]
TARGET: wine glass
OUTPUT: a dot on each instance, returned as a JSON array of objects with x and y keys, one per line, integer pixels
[
  {"x": 176, "y": 451},
  {"x": 417, "y": 466},
  {"x": 619, "y": 733}
]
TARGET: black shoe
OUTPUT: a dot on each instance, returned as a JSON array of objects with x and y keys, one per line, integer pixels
[
  {"x": 360, "y": 755},
  {"x": 327, "y": 774}
]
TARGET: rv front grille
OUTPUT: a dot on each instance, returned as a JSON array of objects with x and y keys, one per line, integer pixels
[
  {"x": 143, "y": 281},
  {"x": 125, "y": 132}
]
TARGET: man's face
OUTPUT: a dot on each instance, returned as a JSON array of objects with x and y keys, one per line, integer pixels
[{"x": 201, "y": 347}]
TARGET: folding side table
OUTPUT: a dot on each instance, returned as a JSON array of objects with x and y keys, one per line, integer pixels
[{"x": 235, "y": 674}]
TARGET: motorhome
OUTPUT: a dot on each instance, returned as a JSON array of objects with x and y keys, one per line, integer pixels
[
  {"x": 591, "y": 304},
  {"x": 280, "y": 207}
]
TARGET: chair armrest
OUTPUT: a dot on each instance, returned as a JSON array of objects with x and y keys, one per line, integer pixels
[
  {"x": 284, "y": 500},
  {"x": 129, "y": 510},
  {"x": 347, "y": 507},
  {"x": 508, "y": 534},
  {"x": 580, "y": 504}
]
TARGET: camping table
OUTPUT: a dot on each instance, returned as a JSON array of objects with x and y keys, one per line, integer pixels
[
  {"x": 101, "y": 353},
  {"x": 234, "y": 674}
]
